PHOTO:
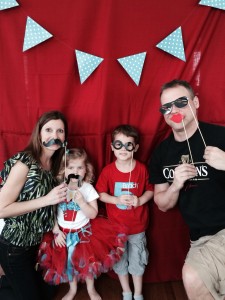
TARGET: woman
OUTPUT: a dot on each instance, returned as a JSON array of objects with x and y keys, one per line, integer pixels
[{"x": 28, "y": 192}]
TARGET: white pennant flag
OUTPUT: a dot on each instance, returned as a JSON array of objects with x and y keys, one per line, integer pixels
[
  {"x": 214, "y": 3},
  {"x": 133, "y": 65},
  {"x": 87, "y": 63},
  {"x": 5, "y": 4},
  {"x": 34, "y": 34},
  {"x": 173, "y": 44}
]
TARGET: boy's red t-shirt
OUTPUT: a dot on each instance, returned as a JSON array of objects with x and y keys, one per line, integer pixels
[{"x": 116, "y": 183}]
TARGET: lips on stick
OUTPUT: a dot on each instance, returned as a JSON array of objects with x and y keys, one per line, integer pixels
[{"x": 177, "y": 118}]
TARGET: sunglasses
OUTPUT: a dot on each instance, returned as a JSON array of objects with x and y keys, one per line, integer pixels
[
  {"x": 179, "y": 103},
  {"x": 119, "y": 145}
]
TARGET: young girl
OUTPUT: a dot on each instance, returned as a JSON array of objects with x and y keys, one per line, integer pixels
[{"x": 80, "y": 246}]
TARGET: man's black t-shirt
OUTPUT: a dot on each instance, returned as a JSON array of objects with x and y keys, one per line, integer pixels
[{"x": 202, "y": 199}]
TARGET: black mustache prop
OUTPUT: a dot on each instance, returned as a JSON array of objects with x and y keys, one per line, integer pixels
[
  {"x": 54, "y": 142},
  {"x": 76, "y": 177}
]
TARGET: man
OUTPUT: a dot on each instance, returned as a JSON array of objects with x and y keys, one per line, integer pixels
[{"x": 186, "y": 169}]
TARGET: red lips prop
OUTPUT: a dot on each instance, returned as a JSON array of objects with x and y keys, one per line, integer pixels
[{"x": 177, "y": 118}]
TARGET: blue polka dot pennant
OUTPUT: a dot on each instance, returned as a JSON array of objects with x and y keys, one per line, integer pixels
[
  {"x": 173, "y": 44},
  {"x": 214, "y": 3},
  {"x": 87, "y": 63},
  {"x": 34, "y": 34},
  {"x": 133, "y": 65},
  {"x": 4, "y": 4}
]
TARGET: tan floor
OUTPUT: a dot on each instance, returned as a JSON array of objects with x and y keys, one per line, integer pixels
[{"x": 110, "y": 289}]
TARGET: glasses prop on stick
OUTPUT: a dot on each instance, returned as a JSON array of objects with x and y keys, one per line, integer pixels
[
  {"x": 178, "y": 118},
  {"x": 130, "y": 147}
]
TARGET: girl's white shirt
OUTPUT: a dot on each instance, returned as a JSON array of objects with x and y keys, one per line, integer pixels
[{"x": 89, "y": 194}]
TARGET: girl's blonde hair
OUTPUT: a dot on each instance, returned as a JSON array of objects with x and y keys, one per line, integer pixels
[{"x": 75, "y": 153}]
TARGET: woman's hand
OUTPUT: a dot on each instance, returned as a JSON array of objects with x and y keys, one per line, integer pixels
[
  {"x": 1, "y": 271},
  {"x": 57, "y": 194}
]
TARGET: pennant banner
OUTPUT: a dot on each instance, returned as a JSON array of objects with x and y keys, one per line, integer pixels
[
  {"x": 87, "y": 63},
  {"x": 214, "y": 3},
  {"x": 4, "y": 4},
  {"x": 34, "y": 34},
  {"x": 173, "y": 44},
  {"x": 133, "y": 65}
]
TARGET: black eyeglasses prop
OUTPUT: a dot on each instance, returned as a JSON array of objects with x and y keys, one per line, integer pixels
[
  {"x": 166, "y": 108},
  {"x": 119, "y": 145}
]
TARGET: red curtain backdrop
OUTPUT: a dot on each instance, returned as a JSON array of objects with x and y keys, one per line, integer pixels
[{"x": 46, "y": 77}]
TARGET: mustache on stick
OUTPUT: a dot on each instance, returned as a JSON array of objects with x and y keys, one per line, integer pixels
[
  {"x": 74, "y": 176},
  {"x": 54, "y": 142}
]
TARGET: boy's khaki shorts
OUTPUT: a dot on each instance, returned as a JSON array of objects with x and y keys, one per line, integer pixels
[
  {"x": 135, "y": 256},
  {"x": 207, "y": 257}
]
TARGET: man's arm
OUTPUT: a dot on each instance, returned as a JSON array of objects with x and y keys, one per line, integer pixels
[{"x": 165, "y": 195}]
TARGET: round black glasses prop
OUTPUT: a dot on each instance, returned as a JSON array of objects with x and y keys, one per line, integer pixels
[{"x": 119, "y": 145}]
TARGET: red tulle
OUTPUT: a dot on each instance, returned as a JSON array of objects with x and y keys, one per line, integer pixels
[
  {"x": 96, "y": 252},
  {"x": 51, "y": 259}
]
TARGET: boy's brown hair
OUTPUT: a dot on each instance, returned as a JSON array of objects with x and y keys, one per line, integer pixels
[{"x": 128, "y": 131}]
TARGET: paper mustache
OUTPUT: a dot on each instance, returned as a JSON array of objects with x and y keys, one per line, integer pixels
[
  {"x": 54, "y": 142},
  {"x": 76, "y": 177}
]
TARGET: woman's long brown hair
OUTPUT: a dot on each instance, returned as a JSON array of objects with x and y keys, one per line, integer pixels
[{"x": 34, "y": 146}]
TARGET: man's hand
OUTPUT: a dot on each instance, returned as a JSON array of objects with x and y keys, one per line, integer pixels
[
  {"x": 183, "y": 173},
  {"x": 215, "y": 157}
]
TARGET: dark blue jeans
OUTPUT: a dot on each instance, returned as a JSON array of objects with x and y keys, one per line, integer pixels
[
  {"x": 18, "y": 264},
  {"x": 6, "y": 291}
]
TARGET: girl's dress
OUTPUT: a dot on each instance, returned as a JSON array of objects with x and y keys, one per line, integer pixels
[{"x": 92, "y": 246}]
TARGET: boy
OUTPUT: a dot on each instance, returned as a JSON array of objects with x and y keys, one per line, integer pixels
[{"x": 123, "y": 186}]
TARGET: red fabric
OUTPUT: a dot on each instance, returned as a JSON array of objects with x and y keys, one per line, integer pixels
[{"x": 46, "y": 77}]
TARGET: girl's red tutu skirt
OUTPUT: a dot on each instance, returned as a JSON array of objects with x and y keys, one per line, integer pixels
[{"x": 90, "y": 251}]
